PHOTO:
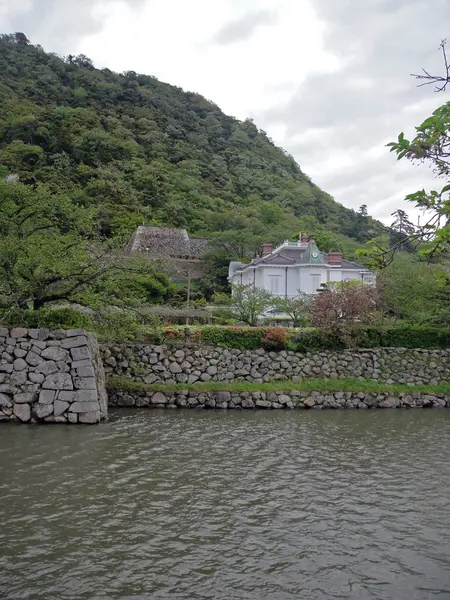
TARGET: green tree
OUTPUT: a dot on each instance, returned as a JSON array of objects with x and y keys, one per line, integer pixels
[
  {"x": 49, "y": 252},
  {"x": 401, "y": 231},
  {"x": 431, "y": 145},
  {"x": 298, "y": 308},
  {"x": 247, "y": 303},
  {"x": 414, "y": 291}
]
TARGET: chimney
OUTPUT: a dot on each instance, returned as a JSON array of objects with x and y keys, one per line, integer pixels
[
  {"x": 335, "y": 259},
  {"x": 303, "y": 240},
  {"x": 267, "y": 249}
]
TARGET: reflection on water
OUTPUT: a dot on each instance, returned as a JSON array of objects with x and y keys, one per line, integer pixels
[{"x": 245, "y": 506}]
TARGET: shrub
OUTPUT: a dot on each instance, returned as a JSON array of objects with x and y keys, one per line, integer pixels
[
  {"x": 63, "y": 318},
  {"x": 244, "y": 338},
  {"x": 274, "y": 339},
  {"x": 413, "y": 336},
  {"x": 406, "y": 336},
  {"x": 57, "y": 318},
  {"x": 311, "y": 339}
]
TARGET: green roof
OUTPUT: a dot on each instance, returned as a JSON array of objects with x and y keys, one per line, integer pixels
[{"x": 312, "y": 255}]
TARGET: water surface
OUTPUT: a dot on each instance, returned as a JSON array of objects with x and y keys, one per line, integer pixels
[{"x": 228, "y": 506}]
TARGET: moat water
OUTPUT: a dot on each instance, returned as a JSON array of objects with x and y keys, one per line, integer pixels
[{"x": 187, "y": 505}]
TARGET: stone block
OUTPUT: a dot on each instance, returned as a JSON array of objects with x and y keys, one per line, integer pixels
[
  {"x": 72, "y": 418},
  {"x": 222, "y": 396},
  {"x": 18, "y": 378},
  {"x": 25, "y": 398},
  {"x": 158, "y": 398},
  {"x": 47, "y": 396},
  {"x": 4, "y": 333},
  {"x": 84, "y": 383},
  {"x": 212, "y": 370},
  {"x": 19, "y": 332},
  {"x": 125, "y": 400},
  {"x": 175, "y": 368},
  {"x": 63, "y": 366},
  {"x": 39, "y": 334},
  {"x": 6, "y": 368},
  {"x": 74, "y": 342},
  {"x": 247, "y": 403},
  {"x": 65, "y": 396},
  {"x": 36, "y": 377},
  {"x": 222, "y": 405},
  {"x": 79, "y": 364},
  {"x": 55, "y": 353},
  {"x": 58, "y": 381},
  {"x": 19, "y": 352},
  {"x": 75, "y": 332},
  {"x": 89, "y": 417},
  {"x": 283, "y": 399},
  {"x": 53, "y": 419},
  {"x": 22, "y": 412},
  {"x": 39, "y": 344},
  {"x": 5, "y": 401},
  {"x": 86, "y": 372},
  {"x": 43, "y": 410},
  {"x": 59, "y": 407},
  {"x": 81, "y": 353},
  {"x": 309, "y": 402},
  {"x": 47, "y": 367},
  {"x": 19, "y": 364},
  {"x": 33, "y": 359},
  {"x": 86, "y": 396},
  {"x": 7, "y": 388},
  {"x": 82, "y": 407},
  {"x": 263, "y": 404}
]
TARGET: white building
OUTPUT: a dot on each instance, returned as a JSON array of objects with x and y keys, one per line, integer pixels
[{"x": 297, "y": 267}]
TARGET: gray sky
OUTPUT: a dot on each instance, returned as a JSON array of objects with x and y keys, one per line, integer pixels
[{"x": 327, "y": 79}]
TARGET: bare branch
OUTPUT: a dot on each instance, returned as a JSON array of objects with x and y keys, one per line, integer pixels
[{"x": 443, "y": 80}]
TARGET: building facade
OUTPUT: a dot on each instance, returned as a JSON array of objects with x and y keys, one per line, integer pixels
[{"x": 297, "y": 267}]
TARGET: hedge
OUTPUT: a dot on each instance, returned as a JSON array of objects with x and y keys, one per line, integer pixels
[
  {"x": 373, "y": 337},
  {"x": 313, "y": 339}
]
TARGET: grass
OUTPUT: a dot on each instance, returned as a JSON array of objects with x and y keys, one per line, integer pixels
[{"x": 307, "y": 385}]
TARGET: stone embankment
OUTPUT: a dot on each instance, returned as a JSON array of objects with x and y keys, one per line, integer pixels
[
  {"x": 192, "y": 364},
  {"x": 275, "y": 400},
  {"x": 51, "y": 376}
]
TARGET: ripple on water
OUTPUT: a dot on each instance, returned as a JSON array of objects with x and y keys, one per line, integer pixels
[{"x": 245, "y": 506}]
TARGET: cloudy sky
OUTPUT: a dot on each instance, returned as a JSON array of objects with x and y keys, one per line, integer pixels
[{"x": 327, "y": 79}]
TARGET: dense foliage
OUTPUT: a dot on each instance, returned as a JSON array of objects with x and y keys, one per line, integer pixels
[
  {"x": 50, "y": 252},
  {"x": 135, "y": 149}
]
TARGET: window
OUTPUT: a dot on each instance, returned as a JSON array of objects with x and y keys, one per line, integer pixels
[
  {"x": 274, "y": 283},
  {"x": 316, "y": 281}
]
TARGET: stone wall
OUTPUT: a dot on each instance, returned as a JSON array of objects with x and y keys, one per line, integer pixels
[
  {"x": 51, "y": 376},
  {"x": 275, "y": 400},
  {"x": 189, "y": 364}
]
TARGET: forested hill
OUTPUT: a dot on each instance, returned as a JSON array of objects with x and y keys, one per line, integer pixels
[{"x": 141, "y": 150}]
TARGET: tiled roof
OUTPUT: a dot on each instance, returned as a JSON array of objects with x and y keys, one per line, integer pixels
[
  {"x": 166, "y": 241},
  {"x": 296, "y": 255}
]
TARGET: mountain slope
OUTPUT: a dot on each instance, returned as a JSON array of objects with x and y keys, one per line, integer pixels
[{"x": 141, "y": 150}]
